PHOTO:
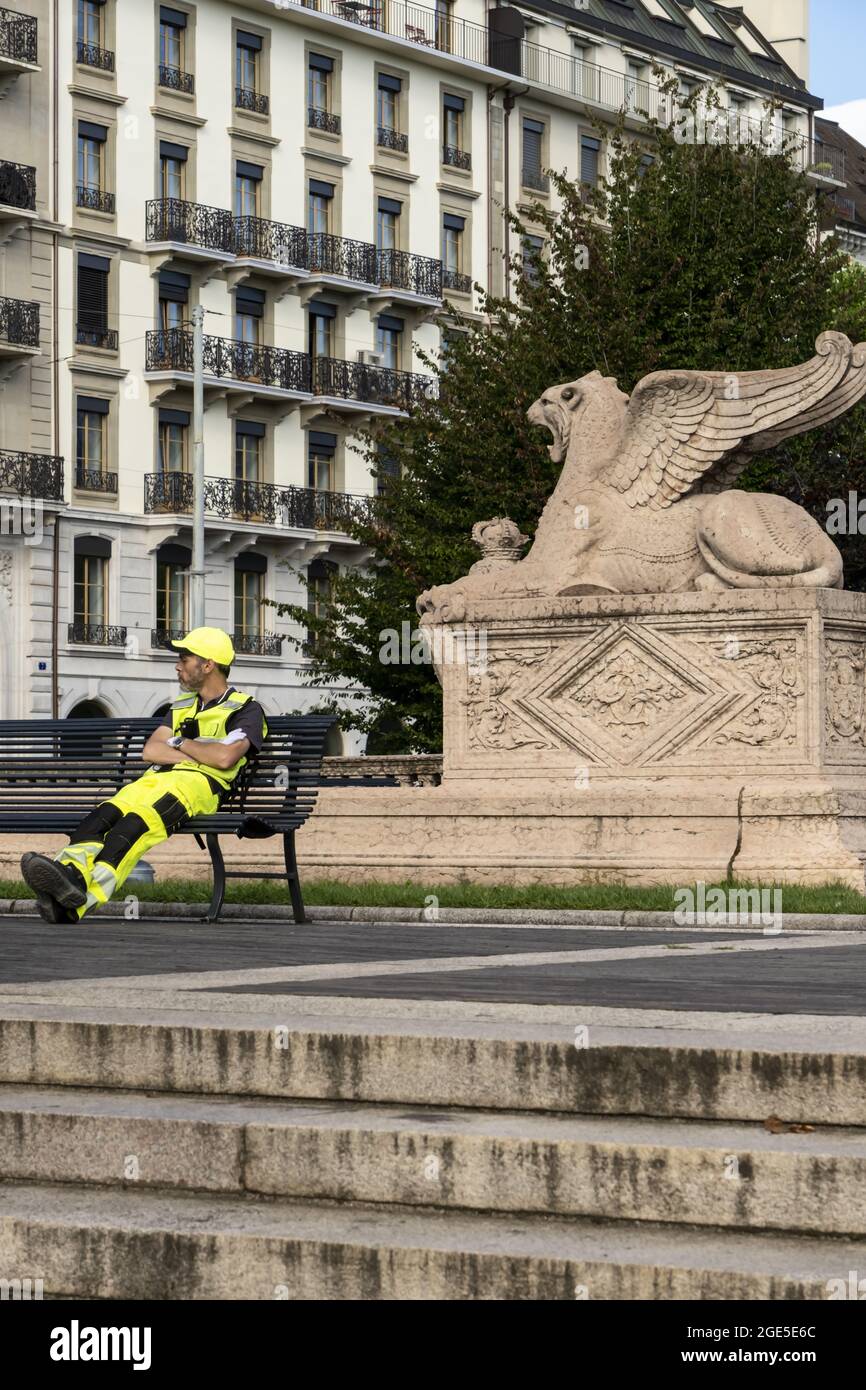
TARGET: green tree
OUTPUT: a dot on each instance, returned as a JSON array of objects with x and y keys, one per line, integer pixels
[{"x": 703, "y": 256}]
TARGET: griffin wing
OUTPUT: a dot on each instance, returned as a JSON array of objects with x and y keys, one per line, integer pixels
[{"x": 695, "y": 431}]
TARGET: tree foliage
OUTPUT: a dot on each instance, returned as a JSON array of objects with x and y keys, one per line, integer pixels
[{"x": 708, "y": 258}]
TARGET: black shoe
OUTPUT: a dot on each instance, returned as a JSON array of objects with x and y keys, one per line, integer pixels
[
  {"x": 53, "y": 912},
  {"x": 50, "y": 883}
]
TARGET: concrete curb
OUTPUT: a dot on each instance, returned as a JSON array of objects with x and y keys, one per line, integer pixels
[{"x": 472, "y": 916}]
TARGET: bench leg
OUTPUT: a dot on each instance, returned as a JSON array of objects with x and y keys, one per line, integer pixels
[
  {"x": 219, "y": 878},
  {"x": 292, "y": 877}
]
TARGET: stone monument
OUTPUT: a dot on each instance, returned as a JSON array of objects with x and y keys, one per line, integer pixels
[{"x": 671, "y": 684}]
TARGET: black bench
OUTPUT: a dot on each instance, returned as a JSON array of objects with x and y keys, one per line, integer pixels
[{"x": 54, "y": 771}]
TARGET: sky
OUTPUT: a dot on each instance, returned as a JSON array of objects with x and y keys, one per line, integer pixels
[{"x": 838, "y": 61}]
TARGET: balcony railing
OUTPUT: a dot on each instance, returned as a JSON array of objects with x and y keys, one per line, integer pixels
[
  {"x": 826, "y": 161},
  {"x": 247, "y": 99},
  {"x": 105, "y": 338},
  {"x": 390, "y": 139},
  {"x": 95, "y": 480},
  {"x": 357, "y": 381},
  {"x": 31, "y": 475},
  {"x": 270, "y": 241},
  {"x": 176, "y": 79},
  {"x": 174, "y": 219},
  {"x": 19, "y": 323},
  {"x": 458, "y": 159},
  {"x": 339, "y": 255},
  {"x": 456, "y": 280},
  {"x": 228, "y": 358},
  {"x": 97, "y": 634},
  {"x": 94, "y": 199},
  {"x": 17, "y": 185},
  {"x": 164, "y": 636},
  {"x": 90, "y": 55},
  {"x": 402, "y": 270},
  {"x": 300, "y": 508},
  {"x": 17, "y": 36},
  {"x": 257, "y": 643},
  {"x": 318, "y": 119},
  {"x": 844, "y": 206},
  {"x": 533, "y": 178}
]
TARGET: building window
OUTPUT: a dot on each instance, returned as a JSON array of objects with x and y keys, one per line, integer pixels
[
  {"x": 248, "y": 49},
  {"x": 533, "y": 137},
  {"x": 173, "y": 450},
  {"x": 387, "y": 468},
  {"x": 322, "y": 325},
  {"x": 319, "y": 84},
  {"x": 453, "y": 152},
  {"x": 90, "y": 22},
  {"x": 250, "y": 572},
  {"x": 92, "y": 556},
  {"x": 389, "y": 338},
  {"x": 589, "y": 156},
  {"x": 321, "y": 195},
  {"x": 173, "y": 300},
  {"x": 452, "y": 243},
  {"x": 90, "y": 171},
  {"x": 92, "y": 319},
  {"x": 249, "y": 312},
  {"x": 172, "y": 589},
  {"x": 91, "y": 442},
  {"x": 388, "y": 106},
  {"x": 249, "y": 447},
  {"x": 388, "y": 224},
  {"x": 532, "y": 248},
  {"x": 443, "y": 25},
  {"x": 172, "y": 170},
  {"x": 320, "y": 586},
  {"x": 321, "y": 454},
  {"x": 636, "y": 88},
  {"x": 172, "y": 50},
  {"x": 248, "y": 181}
]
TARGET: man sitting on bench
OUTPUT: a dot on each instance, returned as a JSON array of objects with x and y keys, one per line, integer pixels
[{"x": 199, "y": 750}]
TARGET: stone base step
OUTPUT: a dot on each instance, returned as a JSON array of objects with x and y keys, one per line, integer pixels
[
  {"x": 697, "y": 1173},
  {"x": 98, "y": 1243},
  {"x": 485, "y": 1066}
]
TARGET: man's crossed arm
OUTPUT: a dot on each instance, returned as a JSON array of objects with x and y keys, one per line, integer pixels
[{"x": 222, "y": 754}]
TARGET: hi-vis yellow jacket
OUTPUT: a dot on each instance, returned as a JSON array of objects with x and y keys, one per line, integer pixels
[{"x": 212, "y": 726}]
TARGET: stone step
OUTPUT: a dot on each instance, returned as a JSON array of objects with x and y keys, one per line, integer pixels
[
  {"x": 485, "y": 1065},
  {"x": 694, "y": 1173},
  {"x": 100, "y": 1243}
]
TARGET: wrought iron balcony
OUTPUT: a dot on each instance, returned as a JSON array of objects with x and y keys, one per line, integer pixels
[
  {"x": 171, "y": 350},
  {"x": 94, "y": 199},
  {"x": 340, "y": 255},
  {"x": 19, "y": 323},
  {"x": 278, "y": 242},
  {"x": 95, "y": 480},
  {"x": 90, "y": 55},
  {"x": 105, "y": 338},
  {"x": 458, "y": 159},
  {"x": 164, "y": 636},
  {"x": 318, "y": 119},
  {"x": 298, "y": 508},
  {"x": 32, "y": 475},
  {"x": 392, "y": 139},
  {"x": 257, "y": 643},
  {"x": 176, "y": 79},
  {"x": 357, "y": 381},
  {"x": 401, "y": 270},
  {"x": 97, "y": 634},
  {"x": 456, "y": 280},
  {"x": 17, "y": 185},
  {"x": 17, "y": 36},
  {"x": 248, "y": 99},
  {"x": 194, "y": 224},
  {"x": 533, "y": 178}
]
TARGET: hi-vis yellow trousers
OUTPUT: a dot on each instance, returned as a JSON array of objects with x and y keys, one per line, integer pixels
[{"x": 109, "y": 842}]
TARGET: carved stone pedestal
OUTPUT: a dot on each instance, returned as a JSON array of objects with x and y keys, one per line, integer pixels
[{"x": 643, "y": 738}]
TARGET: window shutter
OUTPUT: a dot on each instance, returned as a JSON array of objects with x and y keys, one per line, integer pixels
[
  {"x": 250, "y": 427},
  {"x": 249, "y": 171},
  {"x": 389, "y": 321},
  {"x": 173, "y": 554},
  {"x": 176, "y": 17},
  {"x": 93, "y": 405},
  {"x": 93, "y": 545},
  {"x": 247, "y": 40},
  {"x": 91, "y": 131},
  {"x": 168, "y": 150},
  {"x": 321, "y": 443},
  {"x": 453, "y": 222},
  {"x": 174, "y": 417},
  {"x": 174, "y": 285},
  {"x": 452, "y": 103},
  {"x": 589, "y": 149},
  {"x": 325, "y": 190},
  {"x": 387, "y": 83},
  {"x": 532, "y": 133},
  {"x": 390, "y": 205},
  {"x": 318, "y": 60},
  {"x": 251, "y": 563},
  {"x": 93, "y": 293}
]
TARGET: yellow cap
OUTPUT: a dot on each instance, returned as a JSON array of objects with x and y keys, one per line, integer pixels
[{"x": 210, "y": 643}]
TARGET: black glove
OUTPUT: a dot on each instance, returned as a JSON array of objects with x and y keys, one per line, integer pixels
[{"x": 188, "y": 728}]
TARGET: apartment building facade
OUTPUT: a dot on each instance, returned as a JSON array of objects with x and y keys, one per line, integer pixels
[{"x": 323, "y": 180}]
